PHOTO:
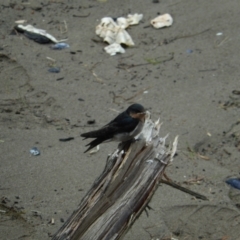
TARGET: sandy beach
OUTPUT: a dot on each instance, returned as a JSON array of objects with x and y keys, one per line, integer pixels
[{"x": 186, "y": 74}]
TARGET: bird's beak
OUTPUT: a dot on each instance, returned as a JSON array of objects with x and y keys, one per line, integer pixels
[
  {"x": 143, "y": 113},
  {"x": 142, "y": 116}
]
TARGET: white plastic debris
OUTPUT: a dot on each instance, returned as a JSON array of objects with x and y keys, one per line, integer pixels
[
  {"x": 105, "y": 29},
  {"x": 111, "y": 32},
  {"x": 115, "y": 34},
  {"x": 150, "y": 161},
  {"x": 21, "y": 21},
  {"x": 122, "y": 22},
  {"x": 52, "y": 222},
  {"x": 95, "y": 150},
  {"x": 38, "y": 35},
  {"x": 134, "y": 19},
  {"x": 122, "y": 37},
  {"x": 114, "y": 48},
  {"x": 34, "y": 151},
  {"x": 161, "y": 21}
]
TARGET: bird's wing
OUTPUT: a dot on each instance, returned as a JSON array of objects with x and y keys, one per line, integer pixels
[{"x": 122, "y": 123}]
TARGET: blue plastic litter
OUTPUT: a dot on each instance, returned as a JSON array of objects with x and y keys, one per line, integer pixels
[
  {"x": 34, "y": 151},
  {"x": 234, "y": 182},
  {"x": 189, "y": 51},
  {"x": 59, "y": 46},
  {"x": 54, "y": 70}
]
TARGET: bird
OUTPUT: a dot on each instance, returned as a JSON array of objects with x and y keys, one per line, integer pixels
[{"x": 124, "y": 127}]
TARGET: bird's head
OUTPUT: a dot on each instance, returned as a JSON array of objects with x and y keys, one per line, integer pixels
[{"x": 137, "y": 111}]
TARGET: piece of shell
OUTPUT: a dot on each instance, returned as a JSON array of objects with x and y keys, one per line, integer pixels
[
  {"x": 36, "y": 34},
  {"x": 161, "y": 21},
  {"x": 134, "y": 19},
  {"x": 114, "y": 48}
]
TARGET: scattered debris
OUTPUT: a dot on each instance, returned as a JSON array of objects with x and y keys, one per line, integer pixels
[
  {"x": 66, "y": 139},
  {"x": 59, "y": 46},
  {"x": 189, "y": 51},
  {"x": 54, "y": 70},
  {"x": 134, "y": 19},
  {"x": 194, "y": 180},
  {"x": 4, "y": 200},
  {"x": 52, "y": 61},
  {"x": 154, "y": 61},
  {"x": 91, "y": 121},
  {"x": 13, "y": 212},
  {"x": 161, "y": 59},
  {"x": 167, "y": 41},
  {"x": 161, "y": 21},
  {"x": 36, "y": 34},
  {"x": 203, "y": 157},
  {"x": 219, "y": 43},
  {"x": 81, "y": 16},
  {"x": 94, "y": 150},
  {"x": 177, "y": 186},
  {"x": 234, "y": 182},
  {"x": 234, "y": 100},
  {"x": 34, "y": 151},
  {"x": 236, "y": 92},
  {"x": 113, "y": 32},
  {"x": 52, "y": 221},
  {"x": 20, "y": 21},
  {"x": 65, "y": 28},
  {"x": 209, "y": 134},
  {"x": 36, "y": 213},
  {"x": 114, "y": 48},
  {"x": 129, "y": 99}
]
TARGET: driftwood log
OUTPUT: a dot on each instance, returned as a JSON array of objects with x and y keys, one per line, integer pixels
[{"x": 123, "y": 190}]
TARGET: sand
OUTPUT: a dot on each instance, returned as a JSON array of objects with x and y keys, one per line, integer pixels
[{"x": 188, "y": 74}]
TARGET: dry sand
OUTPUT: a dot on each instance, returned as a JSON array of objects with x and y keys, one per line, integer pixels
[{"x": 190, "y": 86}]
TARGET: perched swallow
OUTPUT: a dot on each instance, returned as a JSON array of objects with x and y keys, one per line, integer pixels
[{"x": 124, "y": 127}]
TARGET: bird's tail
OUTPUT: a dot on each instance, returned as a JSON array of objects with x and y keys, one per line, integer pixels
[{"x": 93, "y": 144}]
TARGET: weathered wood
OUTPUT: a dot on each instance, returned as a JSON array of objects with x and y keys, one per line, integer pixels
[{"x": 122, "y": 191}]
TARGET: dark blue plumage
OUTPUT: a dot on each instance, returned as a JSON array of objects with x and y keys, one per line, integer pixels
[{"x": 122, "y": 128}]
